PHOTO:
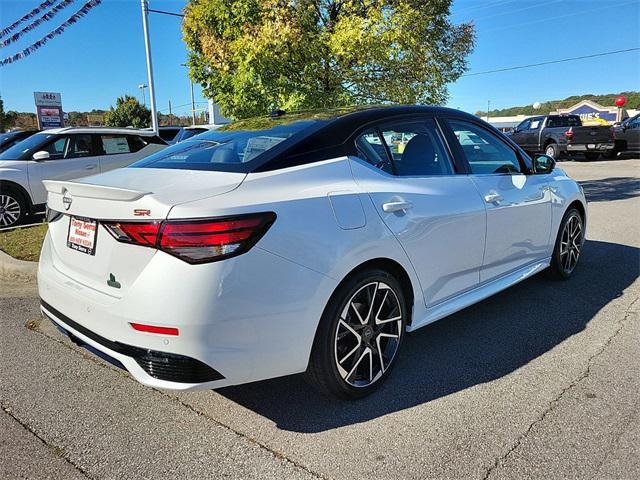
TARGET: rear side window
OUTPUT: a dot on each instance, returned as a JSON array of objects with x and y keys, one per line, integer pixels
[
  {"x": 406, "y": 149},
  {"x": 80, "y": 146},
  {"x": 114, "y": 144},
  {"x": 135, "y": 143},
  {"x": 168, "y": 134},
  {"x": 485, "y": 153}
]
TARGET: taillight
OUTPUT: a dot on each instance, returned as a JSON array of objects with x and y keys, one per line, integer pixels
[
  {"x": 569, "y": 133},
  {"x": 139, "y": 233},
  {"x": 196, "y": 241}
]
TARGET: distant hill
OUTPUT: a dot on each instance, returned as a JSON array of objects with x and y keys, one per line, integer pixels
[{"x": 633, "y": 102}]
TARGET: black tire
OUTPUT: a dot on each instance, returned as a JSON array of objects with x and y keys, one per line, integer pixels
[
  {"x": 13, "y": 207},
  {"x": 592, "y": 156},
  {"x": 552, "y": 150},
  {"x": 560, "y": 269},
  {"x": 333, "y": 335},
  {"x": 611, "y": 154}
]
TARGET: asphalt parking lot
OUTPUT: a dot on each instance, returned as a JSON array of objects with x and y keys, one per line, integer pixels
[{"x": 540, "y": 381}]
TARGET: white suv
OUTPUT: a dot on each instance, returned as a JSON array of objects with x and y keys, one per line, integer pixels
[{"x": 63, "y": 154}]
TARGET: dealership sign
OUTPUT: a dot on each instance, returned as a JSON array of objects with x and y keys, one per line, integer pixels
[
  {"x": 591, "y": 113},
  {"x": 49, "y": 109}
]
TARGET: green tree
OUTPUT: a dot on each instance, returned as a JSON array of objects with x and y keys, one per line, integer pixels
[
  {"x": 7, "y": 119},
  {"x": 251, "y": 56},
  {"x": 129, "y": 112}
]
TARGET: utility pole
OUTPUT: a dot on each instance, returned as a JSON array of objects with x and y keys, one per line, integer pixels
[
  {"x": 147, "y": 45},
  {"x": 193, "y": 103},
  {"x": 170, "y": 122},
  {"x": 193, "y": 100},
  {"x": 488, "y": 108}
]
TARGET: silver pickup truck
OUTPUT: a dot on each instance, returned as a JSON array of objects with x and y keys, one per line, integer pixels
[{"x": 558, "y": 134}]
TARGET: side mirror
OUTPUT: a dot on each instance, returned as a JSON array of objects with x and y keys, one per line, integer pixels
[
  {"x": 41, "y": 156},
  {"x": 543, "y": 164}
]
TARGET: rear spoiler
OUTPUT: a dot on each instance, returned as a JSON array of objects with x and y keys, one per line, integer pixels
[{"x": 89, "y": 190}]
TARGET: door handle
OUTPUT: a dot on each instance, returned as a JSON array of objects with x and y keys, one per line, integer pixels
[
  {"x": 398, "y": 206},
  {"x": 90, "y": 167},
  {"x": 493, "y": 197}
]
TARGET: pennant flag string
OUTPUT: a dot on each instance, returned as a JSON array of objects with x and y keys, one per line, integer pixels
[
  {"x": 29, "y": 15},
  {"x": 44, "y": 18},
  {"x": 70, "y": 21}
]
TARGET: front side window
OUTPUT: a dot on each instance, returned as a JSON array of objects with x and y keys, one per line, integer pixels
[
  {"x": 524, "y": 126},
  {"x": 535, "y": 123},
  {"x": 56, "y": 148},
  {"x": 485, "y": 153}
]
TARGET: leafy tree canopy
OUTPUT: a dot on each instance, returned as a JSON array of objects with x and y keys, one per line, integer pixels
[
  {"x": 251, "y": 56},
  {"x": 129, "y": 112}
]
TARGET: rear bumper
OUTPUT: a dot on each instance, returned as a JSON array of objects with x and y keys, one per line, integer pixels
[
  {"x": 590, "y": 147},
  {"x": 247, "y": 318},
  {"x": 163, "y": 366}
]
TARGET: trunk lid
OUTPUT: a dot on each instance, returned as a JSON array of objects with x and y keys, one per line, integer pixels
[
  {"x": 123, "y": 195},
  {"x": 595, "y": 134}
]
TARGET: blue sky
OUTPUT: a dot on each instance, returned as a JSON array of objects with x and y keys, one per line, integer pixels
[{"x": 102, "y": 56}]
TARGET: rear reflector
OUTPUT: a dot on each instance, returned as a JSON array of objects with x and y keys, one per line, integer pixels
[
  {"x": 154, "y": 329},
  {"x": 196, "y": 241}
]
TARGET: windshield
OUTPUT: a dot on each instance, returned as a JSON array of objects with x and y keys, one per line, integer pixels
[
  {"x": 230, "y": 151},
  {"x": 25, "y": 148}
]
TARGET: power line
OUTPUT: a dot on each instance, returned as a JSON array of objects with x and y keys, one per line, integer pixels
[
  {"x": 556, "y": 17},
  {"x": 550, "y": 62}
]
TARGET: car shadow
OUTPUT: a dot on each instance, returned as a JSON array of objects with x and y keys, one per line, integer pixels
[
  {"x": 479, "y": 344},
  {"x": 612, "y": 188}
]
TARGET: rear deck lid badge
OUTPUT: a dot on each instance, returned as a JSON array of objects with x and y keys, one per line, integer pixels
[
  {"x": 67, "y": 200},
  {"x": 112, "y": 282}
]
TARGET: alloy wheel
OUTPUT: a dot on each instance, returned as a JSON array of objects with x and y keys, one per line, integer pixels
[
  {"x": 9, "y": 211},
  {"x": 368, "y": 334},
  {"x": 550, "y": 151},
  {"x": 571, "y": 243}
]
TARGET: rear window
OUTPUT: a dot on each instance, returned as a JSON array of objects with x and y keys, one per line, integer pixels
[
  {"x": 190, "y": 132},
  {"x": 572, "y": 121},
  {"x": 231, "y": 151},
  {"x": 168, "y": 134}
]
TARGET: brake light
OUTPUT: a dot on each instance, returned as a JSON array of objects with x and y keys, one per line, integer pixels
[
  {"x": 569, "y": 133},
  {"x": 196, "y": 241}
]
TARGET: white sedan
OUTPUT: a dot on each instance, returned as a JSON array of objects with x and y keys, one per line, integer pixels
[{"x": 300, "y": 243}]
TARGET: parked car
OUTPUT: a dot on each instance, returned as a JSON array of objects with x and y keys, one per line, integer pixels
[
  {"x": 61, "y": 154},
  {"x": 558, "y": 134},
  {"x": 9, "y": 139},
  {"x": 627, "y": 136},
  {"x": 305, "y": 242},
  {"x": 174, "y": 135}
]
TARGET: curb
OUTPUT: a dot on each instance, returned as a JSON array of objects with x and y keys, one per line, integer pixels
[{"x": 13, "y": 269}]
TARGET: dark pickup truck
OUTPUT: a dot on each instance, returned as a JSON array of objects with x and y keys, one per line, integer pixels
[
  {"x": 558, "y": 134},
  {"x": 627, "y": 136}
]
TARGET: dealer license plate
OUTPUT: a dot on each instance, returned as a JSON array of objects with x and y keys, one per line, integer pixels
[{"x": 82, "y": 235}]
